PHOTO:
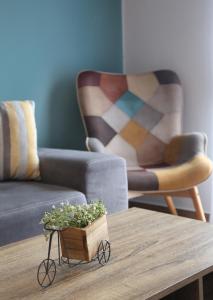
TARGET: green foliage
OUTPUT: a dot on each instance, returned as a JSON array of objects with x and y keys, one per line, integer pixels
[{"x": 68, "y": 215}]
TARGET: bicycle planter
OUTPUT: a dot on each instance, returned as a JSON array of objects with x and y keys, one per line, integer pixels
[{"x": 83, "y": 244}]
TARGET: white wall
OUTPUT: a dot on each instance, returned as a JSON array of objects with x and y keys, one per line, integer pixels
[{"x": 176, "y": 34}]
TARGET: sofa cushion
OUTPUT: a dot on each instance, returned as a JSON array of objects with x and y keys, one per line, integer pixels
[
  {"x": 18, "y": 141},
  {"x": 22, "y": 205}
]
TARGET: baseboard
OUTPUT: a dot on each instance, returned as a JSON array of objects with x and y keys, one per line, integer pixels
[{"x": 181, "y": 212}]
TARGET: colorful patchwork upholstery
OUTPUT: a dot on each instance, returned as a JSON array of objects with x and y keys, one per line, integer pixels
[{"x": 138, "y": 117}]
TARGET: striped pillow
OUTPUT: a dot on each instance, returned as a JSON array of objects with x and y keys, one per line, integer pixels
[{"x": 18, "y": 141}]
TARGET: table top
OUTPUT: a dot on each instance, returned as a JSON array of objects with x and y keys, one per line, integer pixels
[{"x": 152, "y": 254}]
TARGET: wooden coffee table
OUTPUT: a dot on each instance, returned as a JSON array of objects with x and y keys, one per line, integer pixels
[{"x": 154, "y": 256}]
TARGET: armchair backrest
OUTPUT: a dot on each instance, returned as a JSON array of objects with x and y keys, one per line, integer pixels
[{"x": 133, "y": 116}]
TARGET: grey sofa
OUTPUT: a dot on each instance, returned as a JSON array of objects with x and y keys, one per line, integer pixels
[{"x": 76, "y": 176}]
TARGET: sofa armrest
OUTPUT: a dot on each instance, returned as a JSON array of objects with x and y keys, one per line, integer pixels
[
  {"x": 184, "y": 147},
  {"x": 98, "y": 176}
]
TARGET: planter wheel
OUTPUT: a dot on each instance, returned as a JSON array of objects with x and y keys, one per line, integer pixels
[
  {"x": 103, "y": 253},
  {"x": 46, "y": 272}
]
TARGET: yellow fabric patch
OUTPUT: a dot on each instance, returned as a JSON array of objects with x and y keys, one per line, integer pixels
[
  {"x": 185, "y": 175},
  {"x": 134, "y": 134}
]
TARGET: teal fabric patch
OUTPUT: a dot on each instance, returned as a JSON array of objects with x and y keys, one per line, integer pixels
[{"x": 129, "y": 104}]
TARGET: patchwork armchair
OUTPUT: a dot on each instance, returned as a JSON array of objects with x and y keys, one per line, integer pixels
[{"x": 138, "y": 117}]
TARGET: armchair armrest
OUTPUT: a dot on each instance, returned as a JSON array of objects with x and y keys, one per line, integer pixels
[
  {"x": 189, "y": 164},
  {"x": 184, "y": 147},
  {"x": 98, "y": 176}
]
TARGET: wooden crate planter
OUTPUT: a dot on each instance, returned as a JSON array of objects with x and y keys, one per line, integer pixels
[{"x": 83, "y": 243}]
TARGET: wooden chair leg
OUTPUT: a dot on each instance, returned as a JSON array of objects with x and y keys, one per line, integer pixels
[
  {"x": 199, "y": 212},
  {"x": 170, "y": 204}
]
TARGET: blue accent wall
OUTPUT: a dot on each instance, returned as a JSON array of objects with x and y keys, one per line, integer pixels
[{"x": 43, "y": 45}]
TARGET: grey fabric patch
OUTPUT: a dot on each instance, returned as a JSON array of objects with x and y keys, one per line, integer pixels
[
  {"x": 142, "y": 181},
  {"x": 167, "y": 99},
  {"x": 167, "y": 77},
  {"x": 148, "y": 117},
  {"x": 191, "y": 145},
  {"x": 98, "y": 128}
]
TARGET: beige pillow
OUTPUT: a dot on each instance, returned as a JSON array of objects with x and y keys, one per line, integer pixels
[{"x": 18, "y": 141}]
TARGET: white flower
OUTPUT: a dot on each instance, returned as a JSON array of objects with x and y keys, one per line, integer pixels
[
  {"x": 53, "y": 206},
  {"x": 71, "y": 215}
]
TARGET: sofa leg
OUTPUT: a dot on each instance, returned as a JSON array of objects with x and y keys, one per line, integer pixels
[
  {"x": 199, "y": 212},
  {"x": 170, "y": 204}
]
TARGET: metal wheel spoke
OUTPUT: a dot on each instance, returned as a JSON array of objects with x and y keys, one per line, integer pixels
[
  {"x": 103, "y": 253},
  {"x": 45, "y": 267},
  {"x": 107, "y": 252},
  {"x": 101, "y": 257},
  {"x": 44, "y": 279},
  {"x": 49, "y": 277},
  {"x": 50, "y": 267},
  {"x": 105, "y": 257},
  {"x": 46, "y": 272}
]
